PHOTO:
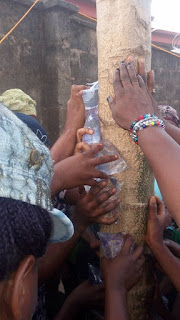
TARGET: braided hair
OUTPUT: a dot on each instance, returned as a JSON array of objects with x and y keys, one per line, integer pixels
[{"x": 24, "y": 230}]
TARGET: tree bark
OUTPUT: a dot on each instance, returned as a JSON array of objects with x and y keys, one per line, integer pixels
[{"x": 123, "y": 29}]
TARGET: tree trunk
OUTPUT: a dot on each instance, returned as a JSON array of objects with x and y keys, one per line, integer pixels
[{"x": 123, "y": 29}]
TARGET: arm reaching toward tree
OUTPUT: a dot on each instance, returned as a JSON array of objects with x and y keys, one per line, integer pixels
[
  {"x": 163, "y": 153},
  {"x": 90, "y": 209},
  {"x": 79, "y": 170},
  {"x": 166, "y": 252},
  {"x": 120, "y": 275},
  {"x": 75, "y": 118},
  {"x": 83, "y": 298}
]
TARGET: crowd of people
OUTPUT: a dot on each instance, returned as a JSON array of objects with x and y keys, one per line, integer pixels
[{"x": 49, "y": 220}]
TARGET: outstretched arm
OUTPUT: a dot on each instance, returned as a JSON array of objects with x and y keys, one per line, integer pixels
[
  {"x": 75, "y": 117},
  {"x": 173, "y": 131},
  {"x": 163, "y": 153},
  {"x": 79, "y": 170},
  {"x": 88, "y": 211},
  {"x": 120, "y": 275},
  {"x": 116, "y": 305},
  {"x": 83, "y": 298},
  {"x": 158, "y": 221}
]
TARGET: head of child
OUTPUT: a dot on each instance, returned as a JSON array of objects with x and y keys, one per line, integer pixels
[
  {"x": 25, "y": 231},
  {"x": 27, "y": 219}
]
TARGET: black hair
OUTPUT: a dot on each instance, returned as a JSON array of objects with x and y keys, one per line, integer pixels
[{"x": 24, "y": 230}]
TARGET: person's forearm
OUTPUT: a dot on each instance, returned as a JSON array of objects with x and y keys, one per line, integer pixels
[
  {"x": 163, "y": 154},
  {"x": 57, "y": 253},
  {"x": 169, "y": 263},
  {"x": 116, "y": 306},
  {"x": 173, "y": 131},
  {"x": 57, "y": 182},
  {"x": 69, "y": 310},
  {"x": 64, "y": 146}
]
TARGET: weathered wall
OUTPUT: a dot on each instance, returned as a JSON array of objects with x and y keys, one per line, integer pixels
[
  {"x": 83, "y": 51},
  {"x": 56, "y": 65},
  {"x": 50, "y": 50},
  {"x": 20, "y": 54},
  {"x": 167, "y": 76},
  {"x": 53, "y": 48}
]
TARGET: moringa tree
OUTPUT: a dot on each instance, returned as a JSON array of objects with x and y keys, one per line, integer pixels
[{"x": 123, "y": 29}]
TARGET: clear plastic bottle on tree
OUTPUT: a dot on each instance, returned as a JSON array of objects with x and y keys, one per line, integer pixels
[{"x": 90, "y": 97}]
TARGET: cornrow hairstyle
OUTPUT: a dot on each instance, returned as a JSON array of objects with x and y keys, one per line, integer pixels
[{"x": 24, "y": 230}]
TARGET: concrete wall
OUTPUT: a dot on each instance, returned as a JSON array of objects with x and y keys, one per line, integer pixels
[
  {"x": 53, "y": 48},
  {"x": 167, "y": 76},
  {"x": 20, "y": 54}
]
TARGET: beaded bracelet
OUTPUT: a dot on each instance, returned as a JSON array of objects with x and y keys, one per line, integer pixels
[
  {"x": 143, "y": 122},
  {"x": 146, "y": 116}
]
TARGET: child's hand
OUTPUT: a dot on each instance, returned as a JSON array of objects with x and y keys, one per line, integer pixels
[
  {"x": 81, "y": 132},
  {"x": 90, "y": 208},
  {"x": 125, "y": 270},
  {"x": 158, "y": 221},
  {"x": 75, "y": 114},
  {"x": 173, "y": 247},
  {"x": 79, "y": 170},
  {"x": 82, "y": 146},
  {"x": 157, "y": 304},
  {"x": 89, "y": 236},
  {"x": 82, "y": 298},
  {"x": 89, "y": 296}
]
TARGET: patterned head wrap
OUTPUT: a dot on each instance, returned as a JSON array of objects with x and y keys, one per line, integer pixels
[
  {"x": 26, "y": 171},
  {"x": 18, "y": 101},
  {"x": 169, "y": 113}
]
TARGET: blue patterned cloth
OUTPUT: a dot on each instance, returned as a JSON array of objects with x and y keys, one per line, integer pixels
[{"x": 26, "y": 171}]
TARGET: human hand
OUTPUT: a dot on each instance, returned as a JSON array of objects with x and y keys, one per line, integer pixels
[
  {"x": 159, "y": 220},
  {"x": 131, "y": 97},
  {"x": 148, "y": 78},
  {"x": 89, "y": 296},
  {"x": 82, "y": 146},
  {"x": 82, "y": 298},
  {"x": 156, "y": 303},
  {"x": 72, "y": 196},
  {"x": 173, "y": 247},
  {"x": 125, "y": 270},
  {"x": 79, "y": 170},
  {"x": 94, "y": 243},
  {"x": 91, "y": 209},
  {"x": 75, "y": 113}
]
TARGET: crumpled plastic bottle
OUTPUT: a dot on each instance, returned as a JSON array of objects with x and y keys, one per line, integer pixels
[
  {"x": 114, "y": 167},
  {"x": 95, "y": 276},
  {"x": 112, "y": 182},
  {"x": 112, "y": 244}
]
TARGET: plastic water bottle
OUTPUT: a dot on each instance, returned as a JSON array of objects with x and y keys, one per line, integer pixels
[
  {"x": 90, "y": 97},
  {"x": 93, "y": 122}
]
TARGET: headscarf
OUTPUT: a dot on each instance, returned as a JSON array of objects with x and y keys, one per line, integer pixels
[
  {"x": 169, "y": 113},
  {"x": 18, "y": 101},
  {"x": 35, "y": 126}
]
